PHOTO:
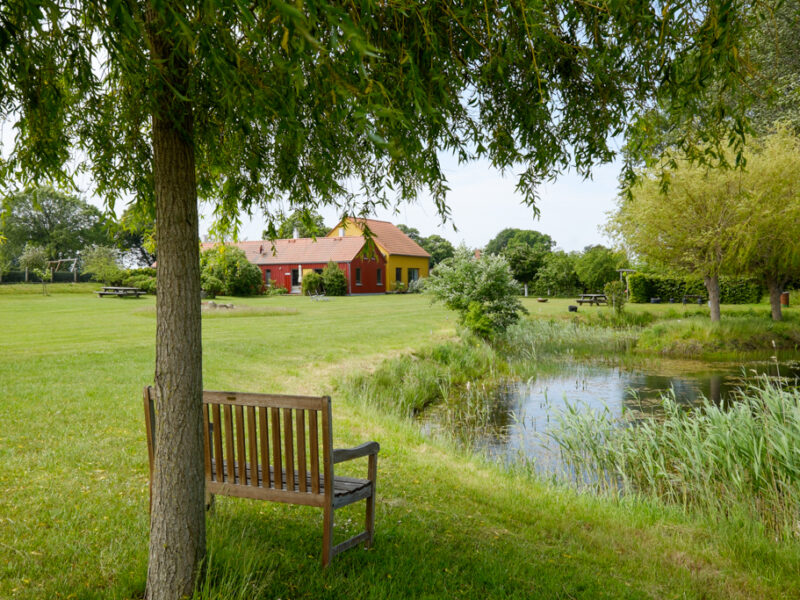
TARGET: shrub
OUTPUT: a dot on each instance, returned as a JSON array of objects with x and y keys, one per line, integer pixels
[
  {"x": 211, "y": 285},
  {"x": 144, "y": 279},
  {"x": 229, "y": 265},
  {"x": 417, "y": 286},
  {"x": 482, "y": 291},
  {"x": 313, "y": 283},
  {"x": 615, "y": 293},
  {"x": 275, "y": 290},
  {"x": 143, "y": 282},
  {"x": 334, "y": 280},
  {"x": 398, "y": 287}
]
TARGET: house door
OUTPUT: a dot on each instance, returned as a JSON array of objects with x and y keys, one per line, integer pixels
[{"x": 295, "y": 277}]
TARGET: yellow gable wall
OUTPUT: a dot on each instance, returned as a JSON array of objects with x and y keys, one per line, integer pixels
[
  {"x": 393, "y": 261},
  {"x": 396, "y": 261}
]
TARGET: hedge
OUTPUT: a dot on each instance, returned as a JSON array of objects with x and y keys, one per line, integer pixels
[
  {"x": 733, "y": 290},
  {"x": 58, "y": 277}
]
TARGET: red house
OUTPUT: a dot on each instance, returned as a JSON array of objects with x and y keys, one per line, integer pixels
[{"x": 283, "y": 262}]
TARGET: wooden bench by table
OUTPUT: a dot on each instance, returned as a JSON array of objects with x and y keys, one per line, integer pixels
[
  {"x": 121, "y": 292},
  {"x": 596, "y": 299},
  {"x": 279, "y": 448}
]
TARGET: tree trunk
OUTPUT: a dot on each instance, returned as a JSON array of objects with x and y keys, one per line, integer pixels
[
  {"x": 177, "y": 519},
  {"x": 712, "y": 286},
  {"x": 775, "y": 290}
]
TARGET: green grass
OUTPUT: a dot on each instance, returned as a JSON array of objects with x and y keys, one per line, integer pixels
[{"x": 73, "y": 475}]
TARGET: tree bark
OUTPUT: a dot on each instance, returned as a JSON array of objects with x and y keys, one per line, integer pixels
[
  {"x": 712, "y": 286},
  {"x": 177, "y": 519},
  {"x": 775, "y": 290}
]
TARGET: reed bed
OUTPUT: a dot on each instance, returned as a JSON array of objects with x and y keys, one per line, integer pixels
[{"x": 740, "y": 462}]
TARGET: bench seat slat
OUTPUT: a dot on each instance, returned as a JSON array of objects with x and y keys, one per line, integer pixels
[{"x": 342, "y": 486}]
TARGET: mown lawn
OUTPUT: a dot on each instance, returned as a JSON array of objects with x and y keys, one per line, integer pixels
[{"x": 73, "y": 475}]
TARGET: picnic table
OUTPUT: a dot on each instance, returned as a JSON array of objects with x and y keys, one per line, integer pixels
[
  {"x": 596, "y": 299},
  {"x": 120, "y": 292}
]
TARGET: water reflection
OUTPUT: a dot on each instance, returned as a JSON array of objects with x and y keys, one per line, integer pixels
[{"x": 511, "y": 423}]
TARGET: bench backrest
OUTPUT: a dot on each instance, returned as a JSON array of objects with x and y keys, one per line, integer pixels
[{"x": 264, "y": 446}]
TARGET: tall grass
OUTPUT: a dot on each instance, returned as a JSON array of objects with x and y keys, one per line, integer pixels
[
  {"x": 532, "y": 340},
  {"x": 739, "y": 333},
  {"x": 738, "y": 461},
  {"x": 405, "y": 385}
]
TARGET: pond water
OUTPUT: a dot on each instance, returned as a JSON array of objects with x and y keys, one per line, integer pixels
[{"x": 511, "y": 423}]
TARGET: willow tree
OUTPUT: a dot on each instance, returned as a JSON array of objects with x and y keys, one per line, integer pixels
[
  {"x": 769, "y": 248},
  {"x": 240, "y": 104},
  {"x": 692, "y": 226}
]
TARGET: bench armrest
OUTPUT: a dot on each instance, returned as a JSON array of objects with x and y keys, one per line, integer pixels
[{"x": 365, "y": 449}]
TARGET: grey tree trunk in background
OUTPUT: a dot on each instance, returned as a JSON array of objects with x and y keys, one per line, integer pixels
[
  {"x": 775, "y": 289},
  {"x": 712, "y": 286}
]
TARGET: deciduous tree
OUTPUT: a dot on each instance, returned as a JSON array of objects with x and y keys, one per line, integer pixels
[
  {"x": 58, "y": 223},
  {"x": 689, "y": 227},
  {"x": 769, "y": 245}
]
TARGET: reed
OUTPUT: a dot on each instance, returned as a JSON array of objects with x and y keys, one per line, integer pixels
[{"x": 739, "y": 462}]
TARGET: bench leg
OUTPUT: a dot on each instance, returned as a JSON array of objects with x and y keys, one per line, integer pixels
[
  {"x": 327, "y": 535},
  {"x": 370, "y": 517},
  {"x": 209, "y": 501}
]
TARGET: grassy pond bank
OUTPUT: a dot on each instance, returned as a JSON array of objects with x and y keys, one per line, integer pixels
[{"x": 594, "y": 402}]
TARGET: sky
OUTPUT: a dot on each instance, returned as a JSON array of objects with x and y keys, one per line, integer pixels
[{"x": 483, "y": 202}]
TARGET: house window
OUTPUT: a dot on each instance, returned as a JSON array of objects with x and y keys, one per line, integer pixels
[
  {"x": 398, "y": 274},
  {"x": 358, "y": 275},
  {"x": 267, "y": 276},
  {"x": 318, "y": 271},
  {"x": 413, "y": 275},
  {"x": 379, "y": 277}
]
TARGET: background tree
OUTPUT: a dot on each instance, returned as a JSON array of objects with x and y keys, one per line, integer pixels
[
  {"x": 307, "y": 223},
  {"x": 103, "y": 262},
  {"x": 244, "y": 104},
  {"x": 438, "y": 247},
  {"x": 597, "y": 265},
  {"x": 769, "y": 218},
  {"x": 135, "y": 235},
  {"x": 229, "y": 265},
  {"x": 59, "y": 223},
  {"x": 688, "y": 228},
  {"x": 411, "y": 232},
  {"x": 34, "y": 259},
  {"x": 525, "y": 237},
  {"x": 557, "y": 275},
  {"x": 525, "y": 252}
]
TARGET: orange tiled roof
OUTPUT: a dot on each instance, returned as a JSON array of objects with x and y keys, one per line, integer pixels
[
  {"x": 392, "y": 239},
  {"x": 300, "y": 250}
]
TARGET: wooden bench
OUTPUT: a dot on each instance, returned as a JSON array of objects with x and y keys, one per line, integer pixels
[
  {"x": 121, "y": 292},
  {"x": 279, "y": 448}
]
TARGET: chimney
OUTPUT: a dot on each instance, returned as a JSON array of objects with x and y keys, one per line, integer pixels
[{"x": 295, "y": 233}]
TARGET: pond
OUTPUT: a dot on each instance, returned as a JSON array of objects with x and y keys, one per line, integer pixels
[{"x": 510, "y": 423}]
